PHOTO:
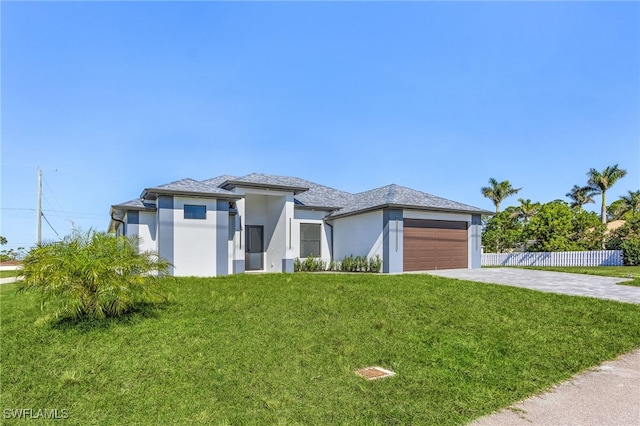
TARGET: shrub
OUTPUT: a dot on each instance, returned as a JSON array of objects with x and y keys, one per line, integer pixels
[
  {"x": 631, "y": 252},
  {"x": 310, "y": 264},
  {"x": 375, "y": 264},
  {"x": 93, "y": 275},
  {"x": 360, "y": 264},
  {"x": 348, "y": 264}
]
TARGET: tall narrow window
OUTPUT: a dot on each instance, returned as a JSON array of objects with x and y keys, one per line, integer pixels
[
  {"x": 310, "y": 239},
  {"x": 195, "y": 212}
]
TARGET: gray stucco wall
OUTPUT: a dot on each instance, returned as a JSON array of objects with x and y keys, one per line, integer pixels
[
  {"x": 165, "y": 229},
  {"x": 222, "y": 238},
  {"x": 392, "y": 241}
]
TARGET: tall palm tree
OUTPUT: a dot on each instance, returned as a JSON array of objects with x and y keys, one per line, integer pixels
[
  {"x": 602, "y": 181},
  {"x": 498, "y": 191},
  {"x": 581, "y": 195},
  {"x": 631, "y": 202},
  {"x": 526, "y": 210}
]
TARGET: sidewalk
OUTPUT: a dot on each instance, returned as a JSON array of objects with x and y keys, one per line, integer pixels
[
  {"x": 8, "y": 280},
  {"x": 607, "y": 395}
]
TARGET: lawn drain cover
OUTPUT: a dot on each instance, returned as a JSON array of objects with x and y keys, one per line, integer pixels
[{"x": 373, "y": 373}]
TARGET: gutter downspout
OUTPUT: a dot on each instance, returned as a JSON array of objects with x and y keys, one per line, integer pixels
[{"x": 118, "y": 220}]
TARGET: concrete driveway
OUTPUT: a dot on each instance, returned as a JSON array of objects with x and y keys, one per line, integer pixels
[{"x": 550, "y": 282}]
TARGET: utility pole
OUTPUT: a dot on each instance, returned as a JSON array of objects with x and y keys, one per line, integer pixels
[{"x": 39, "y": 210}]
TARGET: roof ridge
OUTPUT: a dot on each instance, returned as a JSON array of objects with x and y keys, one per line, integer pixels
[{"x": 391, "y": 192}]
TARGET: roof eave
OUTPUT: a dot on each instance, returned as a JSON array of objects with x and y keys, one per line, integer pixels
[
  {"x": 242, "y": 184},
  {"x": 310, "y": 207},
  {"x": 154, "y": 193},
  {"x": 409, "y": 207},
  {"x": 133, "y": 208}
]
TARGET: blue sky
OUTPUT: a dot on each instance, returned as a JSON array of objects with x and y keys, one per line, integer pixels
[{"x": 109, "y": 98}]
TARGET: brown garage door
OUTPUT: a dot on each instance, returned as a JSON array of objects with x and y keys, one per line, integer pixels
[{"x": 434, "y": 244}]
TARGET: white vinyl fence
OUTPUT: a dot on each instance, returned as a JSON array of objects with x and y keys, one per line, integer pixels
[{"x": 567, "y": 258}]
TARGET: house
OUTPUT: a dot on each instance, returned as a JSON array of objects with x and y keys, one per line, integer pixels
[{"x": 230, "y": 225}]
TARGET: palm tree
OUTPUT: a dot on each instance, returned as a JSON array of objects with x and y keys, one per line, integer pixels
[
  {"x": 526, "y": 210},
  {"x": 600, "y": 182},
  {"x": 498, "y": 191},
  {"x": 631, "y": 202},
  {"x": 581, "y": 195}
]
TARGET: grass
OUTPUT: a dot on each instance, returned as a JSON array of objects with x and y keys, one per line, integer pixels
[
  {"x": 8, "y": 274},
  {"x": 282, "y": 349},
  {"x": 605, "y": 271}
]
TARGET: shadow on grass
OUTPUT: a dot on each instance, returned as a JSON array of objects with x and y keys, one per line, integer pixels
[{"x": 132, "y": 317}]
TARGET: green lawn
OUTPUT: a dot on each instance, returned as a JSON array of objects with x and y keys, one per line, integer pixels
[
  {"x": 606, "y": 271},
  {"x": 282, "y": 349},
  {"x": 7, "y": 274}
]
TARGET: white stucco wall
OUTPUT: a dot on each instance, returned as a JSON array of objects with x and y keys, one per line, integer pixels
[
  {"x": 271, "y": 210},
  {"x": 144, "y": 230},
  {"x": 194, "y": 239},
  {"x": 358, "y": 235},
  {"x": 147, "y": 231},
  {"x": 277, "y": 244}
]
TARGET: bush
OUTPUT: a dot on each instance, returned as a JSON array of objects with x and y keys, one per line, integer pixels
[
  {"x": 93, "y": 275},
  {"x": 310, "y": 264},
  {"x": 361, "y": 264},
  {"x": 375, "y": 264},
  {"x": 631, "y": 252},
  {"x": 348, "y": 264}
]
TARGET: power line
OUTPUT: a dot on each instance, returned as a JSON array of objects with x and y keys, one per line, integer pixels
[
  {"x": 76, "y": 213},
  {"x": 84, "y": 214},
  {"x": 54, "y": 211},
  {"x": 47, "y": 220},
  {"x": 46, "y": 182}
]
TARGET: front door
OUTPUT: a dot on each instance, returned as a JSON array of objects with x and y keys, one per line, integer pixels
[{"x": 254, "y": 248}]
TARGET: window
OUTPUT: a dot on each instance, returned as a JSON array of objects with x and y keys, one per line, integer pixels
[
  {"x": 309, "y": 239},
  {"x": 195, "y": 212}
]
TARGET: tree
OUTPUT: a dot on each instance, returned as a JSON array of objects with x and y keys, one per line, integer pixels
[
  {"x": 588, "y": 231},
  {"x": 498, "y": 191},
  {"x": 600, "y": 182},
  {"x": 526, "y": 210},
  {"x": 629, "y": 231},
  {"x": 10, "y": 254},
  {"x": 618, "y": 210},
  {"x": 502, "y": 232},
  {"x": 581, "y": 195},
  {"x": 551, "y": 228},
  {"x": 93, "y": 275},
  {"x": 627, "y": 239},
  {"x": 631, "y": 202}
]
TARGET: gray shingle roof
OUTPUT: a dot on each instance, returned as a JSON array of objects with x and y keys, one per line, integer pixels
[
  {"x": 118, "y": 210},
  {"x": 323, "y": 196},
  {"x": 219, "y": 180},
  {"x": 400, "y": 196},
  {"x": 187, "y": 187},
  {"x": 136, "y": 204},
  {"x": 260, "y": 180},
  {"x": 307, "y": 194}
]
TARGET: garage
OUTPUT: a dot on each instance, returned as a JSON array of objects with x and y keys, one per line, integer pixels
[{"x": 435, "y": 244}]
